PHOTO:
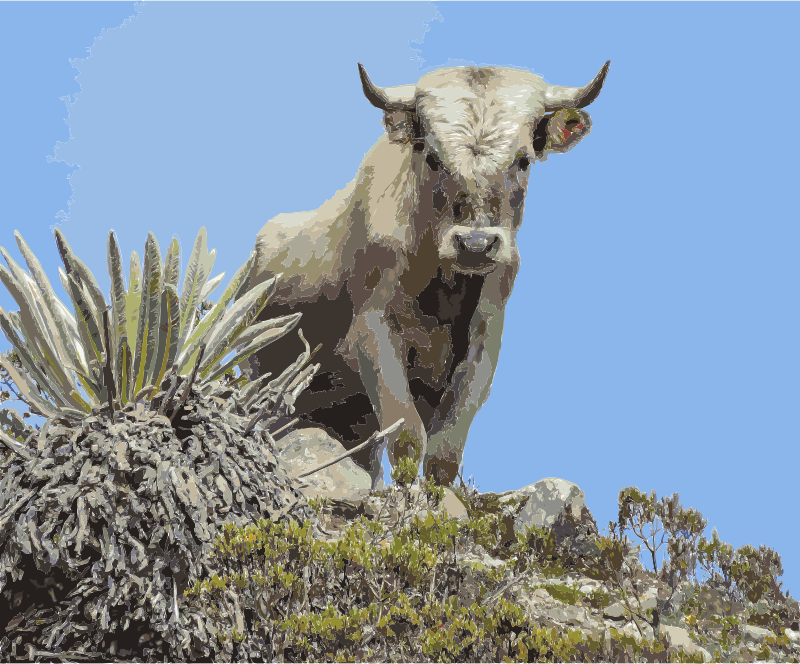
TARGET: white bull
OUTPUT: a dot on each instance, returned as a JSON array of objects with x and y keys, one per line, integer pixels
[{"x": 404, "y": 275}]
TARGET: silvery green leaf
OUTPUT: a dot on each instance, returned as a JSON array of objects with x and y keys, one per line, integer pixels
[
  {"x": 87, "y": 323},
  {"x": 235, "y": 321},
  {"x": 30, "y": 291},
  {"x": 72, "y": 330},
  {"x": 254, "y": 331},
  {"x": 124, "y": 368},
  {"x": 33, "y": 321},
  {"x": 133, "y": 299},
  {"x": 211, "y": 284},
  {"x": 28, "y": 361},
  {"x": 28, "y": 389},
  {"x": 278, "y": 385},
  {"x": 118, "y": 295},
  {"x": 85, "y": 407},
  {"x": 278, "y": 327},
  {"x": 147, "y": 333},
  {"x": 172, "y": 264},
  {"x": 169, "y": 325},
  {"x": 75, "y": 268},
  {"x": 73, "y": 413},
  {"x": 194, "y": 280},
  {"x": 92, "y": 290},
  {"x": 191, "y": 337},
  {"x": 65, "y": 252},
  {"x": 67, "y": 340},
  {"x": 63, "y": 276},
  {"x": 95, "y": 387}
]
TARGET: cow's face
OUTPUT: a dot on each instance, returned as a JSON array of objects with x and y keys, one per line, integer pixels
[{"x": 481, "y": 130}]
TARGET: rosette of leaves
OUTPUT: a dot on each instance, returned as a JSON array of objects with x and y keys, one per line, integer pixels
[
  {"x": 151, "y": 443},
  {"x": 108, "y": 355}
]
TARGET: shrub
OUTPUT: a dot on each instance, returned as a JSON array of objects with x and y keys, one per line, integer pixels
[{"x": 151, "y": 441}]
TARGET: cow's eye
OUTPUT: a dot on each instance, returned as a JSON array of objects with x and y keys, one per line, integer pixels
[
  {"x": 457, "y": 209},
  {"x": 523, "y": 163}
]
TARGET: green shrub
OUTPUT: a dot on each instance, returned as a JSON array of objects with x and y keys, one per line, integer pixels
[{"x": 392, "y": 595}]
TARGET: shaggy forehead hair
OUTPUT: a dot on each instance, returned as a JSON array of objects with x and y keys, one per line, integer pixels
[
  {"x": 477, "y": 142},
  {"x": 475, "y": 137}
]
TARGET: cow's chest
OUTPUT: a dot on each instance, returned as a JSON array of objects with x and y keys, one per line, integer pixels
[{"x": 436, "y": 328}]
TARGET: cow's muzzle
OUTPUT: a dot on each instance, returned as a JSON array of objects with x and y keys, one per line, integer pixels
[{"x": 476, "y": 251}]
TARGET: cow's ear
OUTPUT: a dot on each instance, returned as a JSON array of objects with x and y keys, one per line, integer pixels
[
  {"x": 560, "y": 131},
  {"x": 401, "y": 127}
]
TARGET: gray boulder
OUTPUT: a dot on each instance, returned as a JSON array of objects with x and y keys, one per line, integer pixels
[
  {"x": 302, "y": 450},
  {"x": 559, "y": 505}
]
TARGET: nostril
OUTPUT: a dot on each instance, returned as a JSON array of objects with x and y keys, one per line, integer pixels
[{"x": 494, "y": 247}]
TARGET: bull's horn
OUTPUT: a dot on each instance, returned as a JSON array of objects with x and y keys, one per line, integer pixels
[
  {"x": 558, "y": 97},
  {"x": 399, "y": 98}
]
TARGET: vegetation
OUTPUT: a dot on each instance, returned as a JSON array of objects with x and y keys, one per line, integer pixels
[
  {"x": 409, "y": 590},
  {"x": 151, "y": 441},
  {"x": 147, "y": 518}
]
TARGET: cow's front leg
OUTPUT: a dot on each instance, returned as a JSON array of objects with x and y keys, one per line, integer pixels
[
  {"x": 380, "y": 352},
  {"x": 468, "y": 391}
]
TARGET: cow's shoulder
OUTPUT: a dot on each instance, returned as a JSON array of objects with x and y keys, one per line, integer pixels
[{"x": 312, "y": 250}]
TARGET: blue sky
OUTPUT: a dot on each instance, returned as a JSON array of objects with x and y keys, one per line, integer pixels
[{"x": 653, "y": 337}]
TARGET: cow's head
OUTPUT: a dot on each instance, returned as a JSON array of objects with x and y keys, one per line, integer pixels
[{"x": 481, "y": 129}]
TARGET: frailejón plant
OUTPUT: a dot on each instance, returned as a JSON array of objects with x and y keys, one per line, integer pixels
[{"x": 108, "y": 354}]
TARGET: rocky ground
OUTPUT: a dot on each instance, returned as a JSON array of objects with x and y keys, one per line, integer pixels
[{"x": 571, "y": 600}]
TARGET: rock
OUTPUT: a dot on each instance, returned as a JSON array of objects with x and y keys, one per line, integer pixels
[
  {"x": 794, "y": 635},
  {"x": 451, "y": 502},
  {"x": 305, "y": 449},
  {"x": 757, "y": 634},
  {"x": 560, "y": 506},
  {"x": 348, "y": 486},
  {"x": 680, "y": 638},
  {"x": 549, "y": 503}
]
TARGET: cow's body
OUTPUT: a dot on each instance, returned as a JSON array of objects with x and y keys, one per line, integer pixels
[{"x": 403, "y": 276}]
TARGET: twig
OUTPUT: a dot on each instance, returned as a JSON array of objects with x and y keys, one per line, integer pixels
[
  {"x": 185, "y": 394},
  {"x": 170, "y": 393},
  {"x": 252, "y": 423},
  {"x": 374, "y": 439},
  {"x": 313, "y": 353},
  {"x": 494, "y": 596},
  {"x": 108, "y": 374},
  {"x": 285, "y": 426}
]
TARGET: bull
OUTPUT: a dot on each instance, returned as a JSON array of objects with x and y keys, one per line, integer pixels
[{"x": 403, "y": 276}]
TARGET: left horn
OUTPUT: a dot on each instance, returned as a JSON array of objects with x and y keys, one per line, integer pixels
[
  {"x": 403, "y": 97},
  {"x": 558, "y": 97}
]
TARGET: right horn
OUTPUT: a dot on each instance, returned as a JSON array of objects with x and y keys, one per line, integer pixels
[
  {"x": 559, "y": 97},
  {"x": 403, "y": 97}
]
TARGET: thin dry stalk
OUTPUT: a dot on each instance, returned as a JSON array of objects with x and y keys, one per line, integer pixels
[
  {"x": 193, "y": 375},
  {"x": 373, "y": 439},
  {"x": 108, "y": 374}
]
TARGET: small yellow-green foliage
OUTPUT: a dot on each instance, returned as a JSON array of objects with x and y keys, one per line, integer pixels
[
  {"x": 368, "y": 594},
  {"x": 319, "y": 504},
  {"x": 599, "y": 599},
  {"x": 564, "y": 594}
]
